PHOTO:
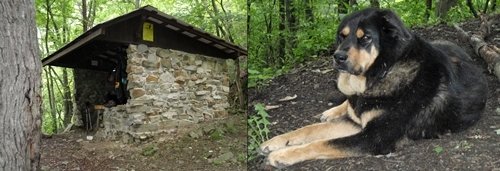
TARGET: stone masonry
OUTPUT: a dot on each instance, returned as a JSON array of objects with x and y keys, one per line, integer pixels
[
  {"x": 168, "y": 89},
  {"x": 91, "y": 87}
]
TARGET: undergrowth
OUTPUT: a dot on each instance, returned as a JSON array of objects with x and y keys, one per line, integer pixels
[{"x": 257, "y": 130}]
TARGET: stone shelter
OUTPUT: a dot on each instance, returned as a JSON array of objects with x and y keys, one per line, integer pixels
[{"x": 153, "y": 72}]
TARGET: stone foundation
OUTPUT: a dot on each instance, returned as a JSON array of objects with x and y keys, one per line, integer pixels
[{"x": 168, "y": 89}]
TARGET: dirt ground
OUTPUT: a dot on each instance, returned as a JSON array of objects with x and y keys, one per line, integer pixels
[
  {"x": 314, "y": 83},
  {"x": 214, "y": 145}
]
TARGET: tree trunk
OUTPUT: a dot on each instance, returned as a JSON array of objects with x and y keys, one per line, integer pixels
[
  {"x": 485, "y": 9},
  {"x": 444, "y": 6},
  {"x": 19, "y": 87},
  {"x": 68, "y": 102},
  {"x": 50, "y": 92},
  {"x": 428, "y": 8},
  {"x": 270, "y": 50},
  {"x": 227, "y": 24},
  {"x": 494, "y": 5},
  {"x": 137, "y": 4},
  {"x": 85, "y": 18},
  {"x": 282, "y": 29},
  {"x": 88, "y": 13},
  {"x": 292, "y": 25},
  {"x": 471, "y": 7}
]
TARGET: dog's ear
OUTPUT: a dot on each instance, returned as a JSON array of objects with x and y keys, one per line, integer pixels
[{"x": 393, "y": 26}]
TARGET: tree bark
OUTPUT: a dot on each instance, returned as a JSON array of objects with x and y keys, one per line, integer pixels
[{"x": 19, "y": 87}]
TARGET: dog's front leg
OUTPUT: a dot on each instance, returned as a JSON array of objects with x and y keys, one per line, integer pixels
[
  {"x": 335, "y": 112},
  {"x": 320, "y": 131},
  {"x": 320, "y": 149},
  {"x": 375, "y": 138}
]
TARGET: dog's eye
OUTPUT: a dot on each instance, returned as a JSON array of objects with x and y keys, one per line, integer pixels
[
  {"x": 366, "y": 39},
  {"x": 341, "y": 37}
]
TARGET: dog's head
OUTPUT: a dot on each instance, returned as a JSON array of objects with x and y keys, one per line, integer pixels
[{"x": 367, "y": 35}]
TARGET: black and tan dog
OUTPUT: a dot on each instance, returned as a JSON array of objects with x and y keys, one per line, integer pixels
[{"x": 397, "y": 85}]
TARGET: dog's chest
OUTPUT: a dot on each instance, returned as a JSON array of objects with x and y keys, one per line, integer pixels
[{"x": 398, "y": 76}]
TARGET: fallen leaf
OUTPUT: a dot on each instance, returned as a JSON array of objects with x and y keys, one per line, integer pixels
[
  {"x": 288, "y": 98},
  {"x": 326, "y": 71},
  {"x": 269, "y": 107}
]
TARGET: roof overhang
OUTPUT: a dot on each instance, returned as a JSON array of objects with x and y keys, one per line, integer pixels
[{"x": 108, "y": 41}]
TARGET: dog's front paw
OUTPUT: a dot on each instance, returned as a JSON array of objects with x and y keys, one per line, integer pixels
[
  {"x": 273, "y": 144},
  {"x": 328, "y": 116},
  {"x": 276, "y": 143},
  {"x": 283, "y": 158}
]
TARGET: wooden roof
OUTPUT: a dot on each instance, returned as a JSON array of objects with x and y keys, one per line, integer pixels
[{"x": 106, "y": 43}]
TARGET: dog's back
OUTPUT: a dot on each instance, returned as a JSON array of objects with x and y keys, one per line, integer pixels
[{"x": 469, "y": 88}]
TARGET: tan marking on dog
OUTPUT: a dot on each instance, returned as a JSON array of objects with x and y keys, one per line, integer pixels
[
  {"x": 345, "y": 31},
  {"x": 307, "y": 134},
  {"x": 370, "y": 115},
  {"x": 315, "y": 150},
  {"x": 360, "y": 33},
  {"x": 360, "y": 59},
  {"x": 352, "y": 114},
  {"x": 335, "y": 112},
  {"x": 351, "y": 84}
]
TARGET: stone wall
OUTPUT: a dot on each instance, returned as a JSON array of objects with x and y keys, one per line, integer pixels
[
  {"x": 90, "y": 86},
  {"x": 168, "y": 89}
]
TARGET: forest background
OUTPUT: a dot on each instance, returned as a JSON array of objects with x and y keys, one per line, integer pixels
[{"x": 284, "y": 33}]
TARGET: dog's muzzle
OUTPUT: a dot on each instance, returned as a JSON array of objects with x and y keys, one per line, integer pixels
[{"x": 340, "y": 60}]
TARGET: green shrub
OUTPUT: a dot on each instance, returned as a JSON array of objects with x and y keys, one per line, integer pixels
[{"x": 257, "y": 130}]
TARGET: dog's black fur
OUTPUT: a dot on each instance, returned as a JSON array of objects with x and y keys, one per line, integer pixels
[
  {"x": 447, "y": 93},
  {"x": 396, "y": 84}
]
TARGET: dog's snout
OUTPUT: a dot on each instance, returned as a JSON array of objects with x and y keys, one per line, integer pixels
[{"x": 340, "y": 56}]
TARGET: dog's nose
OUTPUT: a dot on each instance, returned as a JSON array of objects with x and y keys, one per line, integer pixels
[{"x": 340, "y": 56}]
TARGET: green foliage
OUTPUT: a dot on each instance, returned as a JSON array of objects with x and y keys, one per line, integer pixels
[
  {"x": 217, "y": 134},
  {"x": 438, "y": 149},
  {"x": 259, "y": 78},
  {"x": 459, "y": 13},
  {"x": 315, "y": 33},
  {"x": 149, "y": 150},
  {"x": 257, "y": 130}
]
